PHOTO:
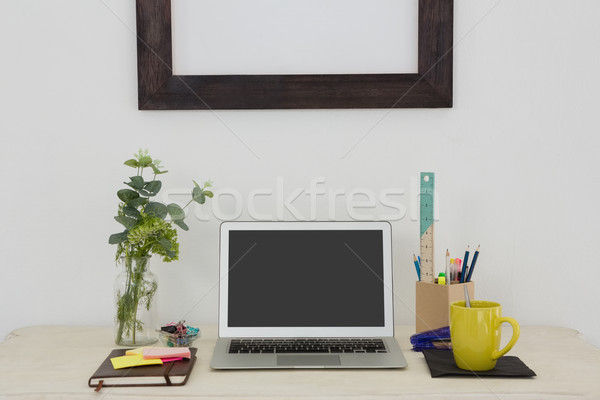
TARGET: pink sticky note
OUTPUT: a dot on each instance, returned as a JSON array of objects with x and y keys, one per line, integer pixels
[{"x": 166, "y": 352}]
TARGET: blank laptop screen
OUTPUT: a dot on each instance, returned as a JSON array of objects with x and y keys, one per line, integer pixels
[{"x": 306, "y": 278}]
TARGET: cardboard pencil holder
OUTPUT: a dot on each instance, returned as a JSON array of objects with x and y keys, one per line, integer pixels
[{"x": 433, "y": 303}]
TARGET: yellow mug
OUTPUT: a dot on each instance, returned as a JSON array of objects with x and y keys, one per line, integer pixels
[{"x": 475, "y": 334}]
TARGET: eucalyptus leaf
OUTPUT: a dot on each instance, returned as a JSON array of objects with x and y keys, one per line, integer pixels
[
  {"x": 127, "y": 222},
  {"x": 208, "y": 193},
  {"x": 166, "y": 243},
  {"x": 132, "y": 163},
  {"x": 153, "y": 187},
  {"x": 137, "y": 182},
  {"x": 131, "y": 211},
  {"x": 176, "y": 212},
  {"x": 157, "y": 209},
  {"x": 181, "y": 224},
  {"x": 126, "y": 195},
  {"x": 117, "y": 238},
  {"x": 198, "y": 195},
  {"x": 135, "y": 203},
  {"x": 156, "y": 170}
]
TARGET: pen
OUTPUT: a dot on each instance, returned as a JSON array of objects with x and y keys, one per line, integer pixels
[
  {"x": 417, "y": 267},
  {"x": 454, "y": 268},
  {"x": 465, "y": 267},
  {"x": 457, "y": 261},
  {"x": 447, "y": 273},
  {"x": 473, "y": 264},
  {"x": 454, "y": 265}
]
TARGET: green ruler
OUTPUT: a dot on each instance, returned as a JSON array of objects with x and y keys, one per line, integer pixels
[{"x": 426, "y": 224}]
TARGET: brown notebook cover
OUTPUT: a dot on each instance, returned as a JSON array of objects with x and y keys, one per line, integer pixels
[{"x": 169, "y": 374}]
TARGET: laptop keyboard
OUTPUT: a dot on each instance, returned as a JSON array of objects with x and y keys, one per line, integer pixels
[{"x": 310, "y": 345}]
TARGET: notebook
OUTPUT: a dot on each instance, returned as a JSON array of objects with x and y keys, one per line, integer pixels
[
  {"x": 306, "y": 295},
  {"x": 174, "y": 373}
]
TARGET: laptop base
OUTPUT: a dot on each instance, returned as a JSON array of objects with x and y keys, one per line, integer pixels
[{"x": 223, "y": 360}]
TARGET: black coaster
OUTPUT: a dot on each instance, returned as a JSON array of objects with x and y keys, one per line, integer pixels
[{"x": 441, "y": 363}]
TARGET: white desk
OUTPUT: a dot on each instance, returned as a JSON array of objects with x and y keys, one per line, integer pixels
[{"x": 56, "y": 362}]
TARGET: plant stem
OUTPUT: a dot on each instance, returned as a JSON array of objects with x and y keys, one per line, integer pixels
[
  {"x": 124, "y": 300},
  {"x": 128, "y": 303}
]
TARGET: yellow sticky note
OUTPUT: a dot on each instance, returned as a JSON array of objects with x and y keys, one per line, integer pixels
[{"x": 133, "y": 361}]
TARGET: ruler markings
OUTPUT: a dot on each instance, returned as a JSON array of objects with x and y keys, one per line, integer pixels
[{"x": 426, "y": 226}]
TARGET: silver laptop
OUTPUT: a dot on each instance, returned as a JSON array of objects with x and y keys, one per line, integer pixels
[{"x": 306, "y": 295}]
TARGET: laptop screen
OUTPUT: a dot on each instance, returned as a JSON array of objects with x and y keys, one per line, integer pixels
[{"x": 305, "y": 278}]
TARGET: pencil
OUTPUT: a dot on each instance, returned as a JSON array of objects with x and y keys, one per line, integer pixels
[{"x": 448, "y": 278}]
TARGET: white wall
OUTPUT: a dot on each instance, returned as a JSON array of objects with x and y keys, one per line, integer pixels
[{"x": 515, "y": 161}]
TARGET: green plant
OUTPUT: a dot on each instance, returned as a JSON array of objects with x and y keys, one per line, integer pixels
[{"x": 148, "y": 230}]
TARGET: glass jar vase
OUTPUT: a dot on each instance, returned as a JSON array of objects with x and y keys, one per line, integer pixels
[{"x": 135, "y": 288}]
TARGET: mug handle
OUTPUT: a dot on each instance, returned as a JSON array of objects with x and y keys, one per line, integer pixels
[{"x": 515, "y": 336}]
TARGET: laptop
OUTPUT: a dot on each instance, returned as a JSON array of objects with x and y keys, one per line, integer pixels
[{"x": 306, "y": 295}]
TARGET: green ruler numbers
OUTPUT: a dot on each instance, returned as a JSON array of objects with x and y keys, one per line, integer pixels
[{"x": 426, "y": 225}]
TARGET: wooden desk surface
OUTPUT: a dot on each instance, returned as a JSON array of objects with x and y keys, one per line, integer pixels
[{"x": 55, "y": 362}]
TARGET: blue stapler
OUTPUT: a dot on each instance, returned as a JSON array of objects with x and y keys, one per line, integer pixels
[{"x": 433, "y": 339}]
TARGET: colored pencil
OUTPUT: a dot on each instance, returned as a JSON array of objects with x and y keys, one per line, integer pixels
[
  {"x": 417, "y": 267},
  {"x": 473, "y": 264},
  {"x": 465, "y": 268}
]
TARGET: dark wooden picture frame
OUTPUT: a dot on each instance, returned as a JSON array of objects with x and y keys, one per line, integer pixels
[{"x": 159, "y": 89}]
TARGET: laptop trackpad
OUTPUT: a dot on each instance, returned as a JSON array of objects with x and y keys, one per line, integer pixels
[{"x": 307, "y": 360}]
